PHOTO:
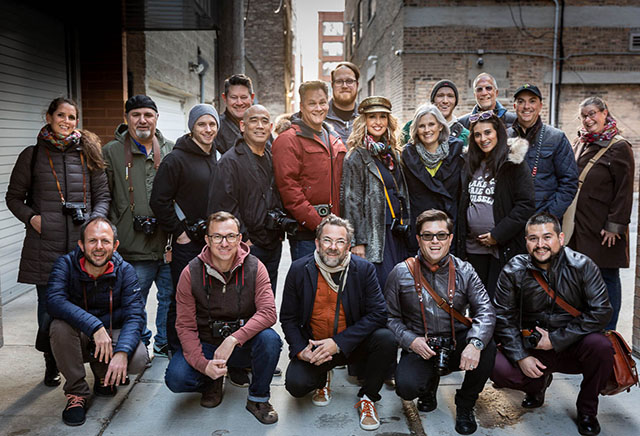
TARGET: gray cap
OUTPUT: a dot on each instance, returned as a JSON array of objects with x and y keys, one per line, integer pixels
[{"x": 199, "y": 110}]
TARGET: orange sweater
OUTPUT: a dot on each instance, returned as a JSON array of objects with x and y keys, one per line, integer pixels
[{"x": 324, "y": 311}]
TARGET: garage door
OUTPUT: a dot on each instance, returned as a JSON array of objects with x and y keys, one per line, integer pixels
[
  {"x": 172, "y": 120},
  {"x": 32, "y": 73}
]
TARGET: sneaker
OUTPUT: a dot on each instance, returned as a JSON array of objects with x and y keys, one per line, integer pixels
[
  {"x": 76, "y": 411},
  {"x": 161, "y": 350},
  {"x": 264, "y": 411},
  {"x": 238, "y": 377},
  {"x": 277, "y": 372},
  {"x": 322, "y": 397},
  {"x": 368, "y": 415},
  {"x": 104, "y": 391},
  {"x": 212, "y": 394}
]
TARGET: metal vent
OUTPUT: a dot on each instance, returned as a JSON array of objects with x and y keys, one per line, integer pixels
[{"x": 634, "y": 41}]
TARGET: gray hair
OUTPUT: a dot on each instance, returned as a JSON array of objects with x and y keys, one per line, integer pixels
[
  {"x": 487, "y": 75},
  {"x": 335, "y": 220},
  {"x": 597, "y": 102},
  {"x": 426, "y": 109}
]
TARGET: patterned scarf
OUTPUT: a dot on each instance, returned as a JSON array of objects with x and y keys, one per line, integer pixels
[
  {"x": 431, "y": 160},
  {"x": 610, "y": 130},
  {"x": 59, "y": 141},
  {"x": 380, "y": 150}
]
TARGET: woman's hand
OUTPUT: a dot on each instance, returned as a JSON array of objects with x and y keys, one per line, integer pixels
[
  {"x": 487, "y": 240},
  {"x": 358, "y": 250},
  {"x": 609, "y": 238},
  {"x": 36, "y": 223}
]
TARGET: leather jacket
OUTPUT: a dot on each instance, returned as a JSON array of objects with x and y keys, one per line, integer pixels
[
  {"x": 405, "y": 318},
  {"x": 574, "y": 277}
]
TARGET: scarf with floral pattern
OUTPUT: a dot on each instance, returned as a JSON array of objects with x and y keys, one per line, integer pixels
[
  {"x": 610, "y": 130},
  {"x": 380, "y": 150},
  {"x": 59, "y": 141}
]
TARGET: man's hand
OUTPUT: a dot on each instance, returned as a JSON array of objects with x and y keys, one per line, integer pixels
[
  {"x": 36, "y": 223},
  {"x": 420, "y": 347},
  {"x": 223, "y": 352},
  {"x": 469, "y": 358},
  {"x": 531, "y": 367},
  {"x": 183, "y": 239},
  {"x": 608, "y": 238},
  {"x": 216, "y": 368},
  {"x": 358, "y": 250},
  {"x": 487, "y": 240},
  {"x": 104, "y": 349},
  {"x": 324, "y": 351},
  {"x": 544, "y": 343},
  {"x": 117, "y": 369},
  {"x": 306, "y": 354}
]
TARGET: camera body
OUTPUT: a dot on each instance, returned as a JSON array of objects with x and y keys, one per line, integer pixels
[
  {"x": 276, "y": 219},
  {"x": 76, "y": 210},
  {"x": 531, "y": 337},
  {"x": 222, "y": 329},
  {"x": 197, "y": 230},
  {"x": 322, "y": 209},
  {"x": 443, "y": 348},
  {"x": 145, "y": 224},
  {"x": 399, "y": 229}
]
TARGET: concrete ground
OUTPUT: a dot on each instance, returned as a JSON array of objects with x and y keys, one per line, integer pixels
[{"x": 27, "y": 407}]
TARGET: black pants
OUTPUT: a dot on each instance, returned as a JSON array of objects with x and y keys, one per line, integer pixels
[
  {"x": 181, "y": 256},
  {"x": 415, "y": 376},
  {"x": 488, "y": 268},
  {"x": 378, "y": 351}
]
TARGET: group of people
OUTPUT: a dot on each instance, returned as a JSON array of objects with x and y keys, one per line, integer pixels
[{"x": 443, "y": 237}]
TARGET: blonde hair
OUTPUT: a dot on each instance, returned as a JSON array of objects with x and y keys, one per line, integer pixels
[{"x": 356, "y": 139}]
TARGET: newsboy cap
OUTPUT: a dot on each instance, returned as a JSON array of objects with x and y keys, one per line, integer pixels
[{"x": 374, "y": 104}]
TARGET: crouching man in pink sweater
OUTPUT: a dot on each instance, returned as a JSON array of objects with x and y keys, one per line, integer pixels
[{"x": 225, "y": 308}]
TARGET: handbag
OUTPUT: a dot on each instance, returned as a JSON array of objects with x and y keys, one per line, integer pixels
[{"x": 624, "y": 374}]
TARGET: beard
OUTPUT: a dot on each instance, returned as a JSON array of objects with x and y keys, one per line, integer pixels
[
  {"x": 89, "y": 258},
  {"x": 343, "y": 100},
  {"x": 332, "y": 261},
  {"x": 143, "y": 134},
  {"x": 548, "y": 260}
]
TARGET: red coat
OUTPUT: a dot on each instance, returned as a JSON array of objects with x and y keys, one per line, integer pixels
[{"x": 307, "y": 173}]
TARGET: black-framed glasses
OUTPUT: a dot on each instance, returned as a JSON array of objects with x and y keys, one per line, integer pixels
[
  {"x": 591, "y": 115},
  {"x": 480, "y": 116},
  {"x": 348, "y": 82},
  {"x": 428, "y": 237},
  {"x": 231, "y": 238}
]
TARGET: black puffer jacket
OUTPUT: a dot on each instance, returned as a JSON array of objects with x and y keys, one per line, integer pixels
[
  {"x": 574, "y": 277},
  {"x": 59, "y": 234}
]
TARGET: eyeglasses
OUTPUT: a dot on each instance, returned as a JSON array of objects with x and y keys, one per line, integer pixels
[
  {"x": 591, "y": 115},
  {"x": 231, "y": 238},
  {"x": 480, "y": 116},
  {"x": 348, "y": 82},
  {"x": 428, "y": 237},
  {"x": 328, "y": 242}
]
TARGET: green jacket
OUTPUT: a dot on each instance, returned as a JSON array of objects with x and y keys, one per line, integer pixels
[{"x": 134, "y": 246}]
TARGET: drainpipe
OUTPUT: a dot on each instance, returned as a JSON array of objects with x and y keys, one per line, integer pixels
[
  {"x": 201, "y": 74},
  {"x": 554, "y": 79}
]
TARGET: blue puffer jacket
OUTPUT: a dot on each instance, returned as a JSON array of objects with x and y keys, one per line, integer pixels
[{"x": 65, "y": 299}]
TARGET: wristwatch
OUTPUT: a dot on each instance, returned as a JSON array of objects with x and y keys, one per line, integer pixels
[{"x": 477, "y": 343}]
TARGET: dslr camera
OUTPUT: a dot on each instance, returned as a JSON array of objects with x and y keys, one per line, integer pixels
[
  {"x": 77, "y": 211},
  {"x": 222, "y": 329},
  {"x": 322, "y": 209},
  {"x": 531, "y": 337},
  {"x": 145, "y": 224},
  {"x": 197, "y": 230},
  {"x": 443, "y": 348},
  {"x": 276, "y": 219},
  {"x": 399, "y": 229}
]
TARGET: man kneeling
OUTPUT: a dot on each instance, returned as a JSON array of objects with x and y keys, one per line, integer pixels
[
  {"x": 225, "y": 308},
  {"x": 427, "y": 296},
  {"x": 538, "y": 334},
  {"x": 98, "y": 310},
  {"x": 333, "y": 313}
]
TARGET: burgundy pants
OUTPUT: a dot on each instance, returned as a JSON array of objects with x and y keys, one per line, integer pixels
[{"x": 591, "y": 356}]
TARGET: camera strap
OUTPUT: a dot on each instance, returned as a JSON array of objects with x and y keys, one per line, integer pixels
[
  {"x": 343, "y": 280},
  {"x": 55, "y": 176},
  {"x": 86, "y": 306},
  {"x": 555, "y": 297},
  {"x": 128, "y": 160},
  {"x": 386, "y": 193}
]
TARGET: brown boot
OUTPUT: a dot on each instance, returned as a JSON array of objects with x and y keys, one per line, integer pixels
[
  {"x": 212, "y": 394},
  {"x": 265, "y": 412}
]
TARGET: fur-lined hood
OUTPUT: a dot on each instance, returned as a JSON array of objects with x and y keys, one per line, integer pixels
[{"x": 518, "y": 148}]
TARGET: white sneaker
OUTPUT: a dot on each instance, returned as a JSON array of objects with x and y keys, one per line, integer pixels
[
  {"x": 368, "y": 415},
  {"x": 322, "y": 397}
]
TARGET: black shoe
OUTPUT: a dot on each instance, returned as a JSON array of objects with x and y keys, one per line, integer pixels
[
  {"x": 104, "y": 391},
  {"x": 465, "y": 421},
  {"x": 277, "y": 372},
  {"x": 533, "y": 401},
  {"x": 238, "y": 377},
  {"x": 51, "y": 373},
  {"x": 213, "y": 392},
  {"x": 588, "y": 425},
  {"x": 161, "y": 350},
  {"x": 76, "y": 411}
]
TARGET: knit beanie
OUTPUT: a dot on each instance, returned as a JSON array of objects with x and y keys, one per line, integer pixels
[
  {"x": 199, "y": 110},
  {"x": 443, "y": 84}
]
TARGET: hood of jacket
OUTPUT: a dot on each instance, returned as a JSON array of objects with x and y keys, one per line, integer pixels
[
  {"x": 187, "y": 144},
  {"x": 241, "y": 255}
]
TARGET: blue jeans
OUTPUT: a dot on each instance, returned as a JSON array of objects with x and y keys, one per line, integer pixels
[
  {"x": 261, "y": 353},
  {"x": 611, "y": 277},
  {"x": 149, "y": 271},
  {"x": 271, "y": 260},
  {"x": 300, "y": 248}
]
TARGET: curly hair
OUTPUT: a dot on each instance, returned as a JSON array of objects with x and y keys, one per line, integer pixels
[{"x": 356, "y": 139}]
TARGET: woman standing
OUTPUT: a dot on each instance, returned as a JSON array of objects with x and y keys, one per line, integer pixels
[
  {"x": 497, "y": 198},
  {"x": 54, "y": 187},
  {"x": 603, "y": 209},
  {"x": 373, "y": 190},
  {"x": 432, "y": 161}
]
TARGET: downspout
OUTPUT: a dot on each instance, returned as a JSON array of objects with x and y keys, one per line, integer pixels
[
  {"x": 201, "y": 74},
  {"x": 554, "y": 102}
]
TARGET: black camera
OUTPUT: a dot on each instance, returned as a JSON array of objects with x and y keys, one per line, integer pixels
[
  {"x": 145, "y": 224},
  {"x": 278, "y": 220},
  {"x": 443, "y": 348},
  {"x": 323, "y": 209},
  {"x": 531, "y": 337},
  {"x": 399, "y": 229},
  {"x": 77, "y": 211},
  {"x": 222, "y": 329},
  {"x": 198, "y": 230}
]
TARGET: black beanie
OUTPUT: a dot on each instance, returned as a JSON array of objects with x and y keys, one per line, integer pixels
[
  {"x": 140, "y": 101},
  {"x": 442, "y": 84}
]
